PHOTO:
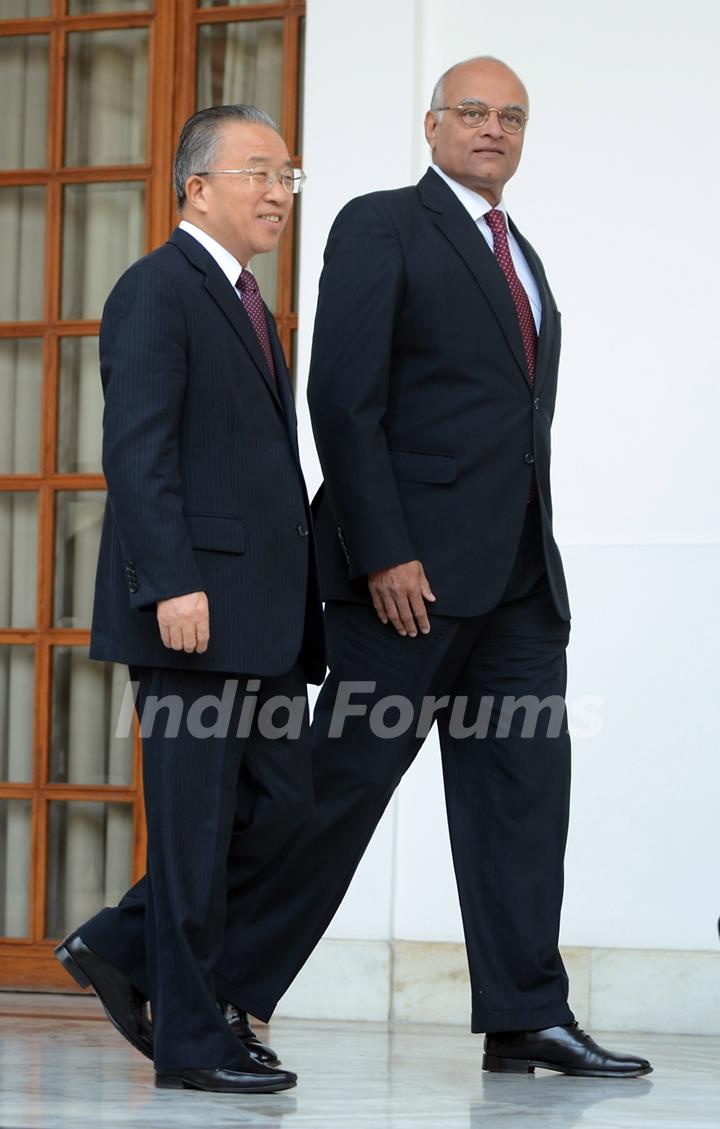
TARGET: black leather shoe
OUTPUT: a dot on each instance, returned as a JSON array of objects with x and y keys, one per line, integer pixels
[
  {"x": 124, "y": 1004},
  {"x": 239, "y": 1022},
  {"x": 254, "y": 1078},
  {"x": 568, "y": 1049}
]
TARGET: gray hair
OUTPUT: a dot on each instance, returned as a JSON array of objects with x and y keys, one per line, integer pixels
[
  {"x": 199, "y": 139},
  {"x": 438, "y": 94}
]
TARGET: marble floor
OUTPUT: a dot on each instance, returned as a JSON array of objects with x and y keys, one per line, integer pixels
[{"x": 77, "y": 1072}]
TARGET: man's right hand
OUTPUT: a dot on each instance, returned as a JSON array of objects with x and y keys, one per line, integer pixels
[
  {"x": 399, "y": 594},
  {"x": 184, "y": 622}
]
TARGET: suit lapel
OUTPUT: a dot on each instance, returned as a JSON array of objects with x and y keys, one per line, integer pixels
[
  {"x": 221, "y": 290},
  {"x": 547, "y": 322},
  {"x": 284, "y": 384},
  {"x": 458, "y": 227}
]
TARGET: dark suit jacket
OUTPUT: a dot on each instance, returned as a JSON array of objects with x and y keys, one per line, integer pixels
[
  {"x": 205, "y": 490},
  {"x": 428, "y": 429}
]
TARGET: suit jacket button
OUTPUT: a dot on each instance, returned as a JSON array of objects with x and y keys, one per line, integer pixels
[
  {"x": 529, "y": 459},
  {"x": 536, "y": 403},
  {"x": 133, "y": 587},
  {"x": 302, "y": 529}
]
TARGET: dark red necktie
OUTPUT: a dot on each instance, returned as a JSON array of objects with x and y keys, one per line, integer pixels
[
  {"x": 255, "y": 310},
  {"x": 496, "y": 222}
]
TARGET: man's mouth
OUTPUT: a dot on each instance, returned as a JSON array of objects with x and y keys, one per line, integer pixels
[
  {"x": 498, "y": 151},
  {"x": 272, "y": 217}
]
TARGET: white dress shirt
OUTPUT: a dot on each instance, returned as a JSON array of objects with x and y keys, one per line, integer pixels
[
  {"x": 228, "y": 263},
  {"x": 477, "y": 206}
]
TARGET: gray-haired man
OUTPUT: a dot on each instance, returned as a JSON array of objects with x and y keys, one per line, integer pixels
[{"x": 206, "y": 577}]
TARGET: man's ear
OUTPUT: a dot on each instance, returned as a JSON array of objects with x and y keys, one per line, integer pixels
[
  {"x": 195, "y": 187},
  {"x": 431, "y": 124}
]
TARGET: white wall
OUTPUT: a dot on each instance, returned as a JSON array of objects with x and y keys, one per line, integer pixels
[{"x": 617, "y": 190}]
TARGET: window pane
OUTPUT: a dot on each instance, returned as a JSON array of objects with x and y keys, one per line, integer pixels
[
  {"x": 20, "y": 396},
  {"x": 78, "y": 523},
  {"x": 241, "y": 62},
  {"x": 17, "y": 684},
  {"x": 15, "y": 868},
  {"x": 18, "y": 558},
  {"x": 232, "y": 3},
  {"x": 86, "y": 716},
  {"x": 24, "y": 98},
  {"x": 21, "y": 9},
  {"x": 22, "y": 238},
  {"x": 103, "y": 233},
  {"x": 80, "y": 407},
  {"x": 81, "y": 6},
  {"x": 89, "y": 860},
  {"x": 105, "y": 105}
]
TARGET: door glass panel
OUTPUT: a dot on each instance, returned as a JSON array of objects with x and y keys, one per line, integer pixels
[
  {"x": 78, "y": 523},
  {"x": 18, "y": 558},
  {"x": 106, "y": 97},
  {"x": 21, "y": 9},
  {"x": 17, "y": 686},
  {"x": 80, "y": 407},
  {"x": 89, "y": 860},
  {"x": 91, "y": 737},
  {"x": 103, "y": 233},
  {"x": 15, "y": 868},
  {"x": 20, "y": 396},
  {"x": 241, "y": 62},
  {"x": 82, "y": 6},
  {"x": 24, "y": 98},
  {"x": 22, "y": 238},
  {"x": 232, "y": 3}
]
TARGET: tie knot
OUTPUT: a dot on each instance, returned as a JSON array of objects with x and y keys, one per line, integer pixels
[
  {"x": 246, "y": 283},
  {"x": 495, "y": 220}
]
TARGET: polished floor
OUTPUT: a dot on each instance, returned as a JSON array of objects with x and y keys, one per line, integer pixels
[{"x": 58, "y": 1072}]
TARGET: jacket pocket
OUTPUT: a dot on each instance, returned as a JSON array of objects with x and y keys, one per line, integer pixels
[
  {"x": 220, "y": 533},
  {"x": 423, "y": 466}
]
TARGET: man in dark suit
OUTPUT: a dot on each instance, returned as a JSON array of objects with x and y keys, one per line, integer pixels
[
  {"x": 432, "y": 391},
  {"x": 205, "y": 588}
]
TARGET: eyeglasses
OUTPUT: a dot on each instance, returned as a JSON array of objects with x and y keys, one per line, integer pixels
[
  {"x": 473, "y": 114},
  {"x": 292, "y": 180}
]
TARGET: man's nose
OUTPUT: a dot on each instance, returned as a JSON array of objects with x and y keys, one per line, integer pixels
[{"x": 492, "y": 125}]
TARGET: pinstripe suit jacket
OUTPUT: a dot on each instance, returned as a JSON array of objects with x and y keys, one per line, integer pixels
[{"x": 205, "y": 490}]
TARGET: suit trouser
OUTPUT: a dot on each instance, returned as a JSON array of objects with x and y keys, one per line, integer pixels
[
  {"x": 220, "y": 809},
  {"x": 507, "y": 801}
]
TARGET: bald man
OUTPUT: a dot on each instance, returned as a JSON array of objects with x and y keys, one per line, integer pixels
[{"x": 432, "y": 391}]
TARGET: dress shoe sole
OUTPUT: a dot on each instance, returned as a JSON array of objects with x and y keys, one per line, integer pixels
[
  {"x": 67, "y": 960},
  {"x": 262, "y": 1086},
  {"x": 527, "y": 1066}
]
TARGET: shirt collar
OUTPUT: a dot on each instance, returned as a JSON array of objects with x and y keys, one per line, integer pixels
[
  {"x": 228, "y": 263},
  {"x": 476, "y": 204}
]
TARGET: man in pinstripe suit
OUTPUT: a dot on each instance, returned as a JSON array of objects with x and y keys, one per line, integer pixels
[{"x": 206, "y": 574}]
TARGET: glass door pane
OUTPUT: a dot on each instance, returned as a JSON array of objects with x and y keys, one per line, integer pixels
[
  {"x": 91, "y": 738},
  {"x": 78, "y": 523},
  {"x": 20, "y": 395},
  {"x": 80, "y": 407},
  {"x": 17, "y": 689},
  {"x": 18, "y": 558},
  {"x": 103, "y": 233},
  {"x": 15, "y": 868},
  {"x": 106, "y": 97},
  {"x": 22, "y": 238},
  {"x": 24, "y": 99},
  {"x": 89, "y": 860}
]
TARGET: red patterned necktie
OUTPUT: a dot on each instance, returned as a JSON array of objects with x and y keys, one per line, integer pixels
[
  {"x": 255, "y": 310},
  {"x": 496, "y": 222}
]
